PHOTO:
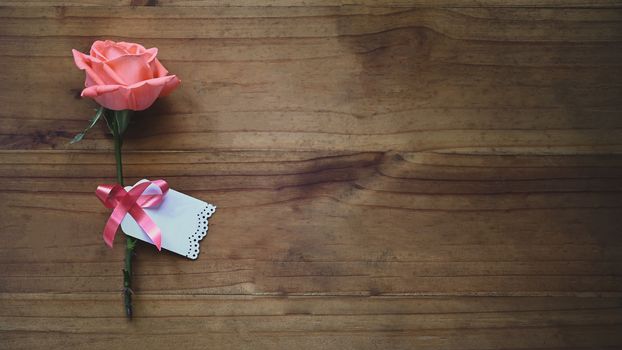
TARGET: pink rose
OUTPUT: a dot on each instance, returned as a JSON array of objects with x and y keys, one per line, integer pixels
[{"x": 124, "y": 75}]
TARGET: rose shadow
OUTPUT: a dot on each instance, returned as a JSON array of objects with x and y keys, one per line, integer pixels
[{"x": 143, "y": 122}]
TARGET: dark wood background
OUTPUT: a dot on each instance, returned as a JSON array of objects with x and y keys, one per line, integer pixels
[{"x": 389, "y": 175}]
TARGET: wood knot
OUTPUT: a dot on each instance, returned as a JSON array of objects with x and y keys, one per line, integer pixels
[{"x": 144, "y": 3}]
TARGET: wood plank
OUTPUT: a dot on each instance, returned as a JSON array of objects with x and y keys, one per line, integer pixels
[
  {"x": 351, "y": 79},
  {"x": 323, "y": 22},
  {"x": 335, "y": 224},
  {"x": 315, "y": 3},
  {"x": 43, "y": 321}
]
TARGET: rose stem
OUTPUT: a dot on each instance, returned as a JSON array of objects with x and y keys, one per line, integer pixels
[{"x": 118, "y": 125}]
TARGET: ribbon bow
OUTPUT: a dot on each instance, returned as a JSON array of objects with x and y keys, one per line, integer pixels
[{"x": 116, "y": 197}]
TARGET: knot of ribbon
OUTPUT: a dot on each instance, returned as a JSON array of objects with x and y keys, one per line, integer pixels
[{"x": 122, "y": 202}]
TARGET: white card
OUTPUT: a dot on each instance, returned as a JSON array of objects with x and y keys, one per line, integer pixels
[{"x": 183, "y": 221}]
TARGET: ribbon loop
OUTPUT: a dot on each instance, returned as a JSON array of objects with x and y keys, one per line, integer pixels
[{"x": 115, "y": 197}]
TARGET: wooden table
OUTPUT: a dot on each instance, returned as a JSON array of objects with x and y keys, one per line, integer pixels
[{"x": 389, "y": 175}]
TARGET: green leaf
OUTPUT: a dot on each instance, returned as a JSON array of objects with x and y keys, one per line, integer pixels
[
  {"x": 78, "y": 137},
  {"x": 92, "y": 123}
]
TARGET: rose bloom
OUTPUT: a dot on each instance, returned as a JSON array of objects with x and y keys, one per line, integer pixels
[{"x": 124, "y": 75}]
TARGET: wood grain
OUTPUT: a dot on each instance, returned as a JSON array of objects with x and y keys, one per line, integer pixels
[
  {"x": 324, "y": 322},
  {"x": 389, "y": 175}
]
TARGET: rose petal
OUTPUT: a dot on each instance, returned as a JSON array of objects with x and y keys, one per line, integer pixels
[
  {"x": 131, "y": 69},
  {"x": 97, "y": 49},
  {"x": 146, "y": 92},
  {"x": 114, "y": 77},
  {"x": 97, "y": 90},
  {"x": 158, "y": 69},
  {"x": 151, "y": 54},
  {"x": 115, "y": 97},
  {"x": 132, "y": 48},
  {"x": 171, "y": 85},
  {"x": 136, "y": 97},
  {"x": 107, "y": 50},
  {"x": 84, "y": 62},
  {"x": 113, "y": 51}
]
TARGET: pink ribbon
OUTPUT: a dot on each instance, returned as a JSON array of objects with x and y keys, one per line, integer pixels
[{"x": 123, "y": 202}]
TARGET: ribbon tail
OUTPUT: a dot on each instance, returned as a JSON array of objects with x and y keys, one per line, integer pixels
[
  {"x": 147, "y": 225},
  {"x": 119, "y": 212},
  {"x": 110, "y": 230}
]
